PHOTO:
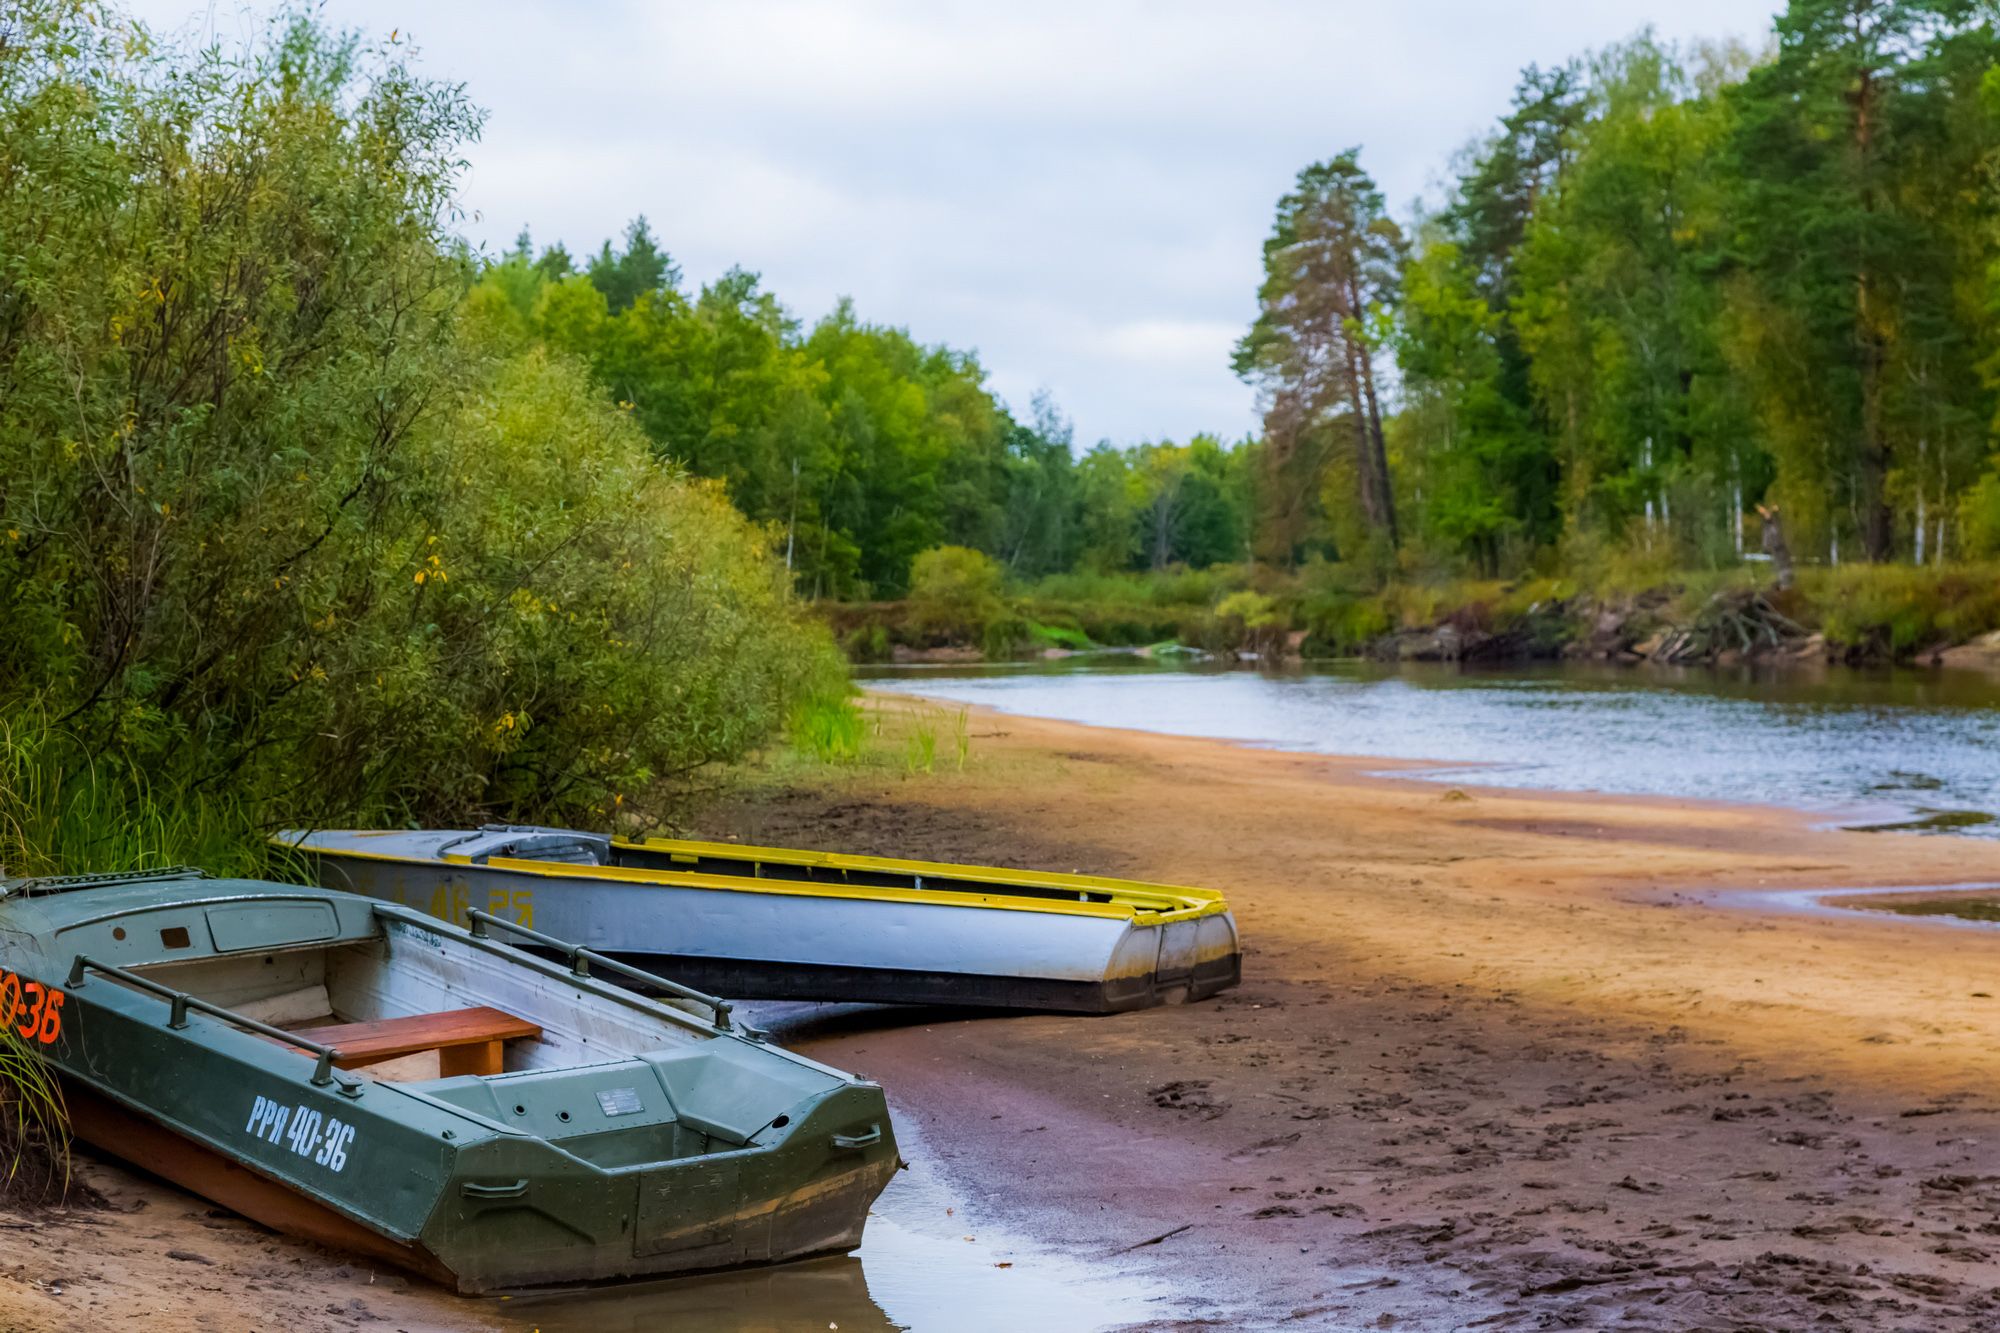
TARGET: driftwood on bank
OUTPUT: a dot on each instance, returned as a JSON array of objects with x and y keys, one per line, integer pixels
[{"x": 1741, "y": 624}]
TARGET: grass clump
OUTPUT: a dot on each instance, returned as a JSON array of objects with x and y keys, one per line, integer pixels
[
  {"x": 34, "y": 1126},
  {"x": 827, "y": 726},
  {"x": 920, "y": 748},
  {"x": 65, "y": 809}
]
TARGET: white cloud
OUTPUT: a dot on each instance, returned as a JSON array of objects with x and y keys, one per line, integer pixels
[
  {"x": 1077, "y": 190},
  {"x": 1171, "y": 345}
]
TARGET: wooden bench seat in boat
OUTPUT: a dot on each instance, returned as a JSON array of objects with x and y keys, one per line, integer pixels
[{"x": 468, "y": 1041}]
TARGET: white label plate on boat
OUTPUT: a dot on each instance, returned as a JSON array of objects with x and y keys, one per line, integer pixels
[{"x": 619, "y": 1101}]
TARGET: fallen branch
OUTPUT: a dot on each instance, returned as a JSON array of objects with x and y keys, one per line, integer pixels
[{"x": 1164, "y": 1235}]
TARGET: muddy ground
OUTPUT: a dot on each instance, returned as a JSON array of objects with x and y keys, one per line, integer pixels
[
  {"x": 1494, "y": 1064},
  {"x": 1499, "y": 1061}
]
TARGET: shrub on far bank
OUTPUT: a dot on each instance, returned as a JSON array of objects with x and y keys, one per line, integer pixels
[
  {"x": 1871, "y": 613},
  {"x": 1889, "y": 612},
  {"x": 955, "y": 591}
]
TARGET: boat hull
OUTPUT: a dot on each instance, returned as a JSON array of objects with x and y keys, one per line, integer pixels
[
  {"x": 757, "y": 979},
  {"x": 709, "y": 1154},
  {"x": 152, "y": 1147},
  {"x": 474, "y": 1255},
  {"x": 790, "y": 940}
]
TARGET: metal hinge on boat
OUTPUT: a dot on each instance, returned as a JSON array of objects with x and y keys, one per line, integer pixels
[{"x": 64, "y": 883}]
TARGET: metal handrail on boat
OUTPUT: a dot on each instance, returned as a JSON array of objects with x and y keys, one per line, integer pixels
[
  {"x": 180, "y": 1002},
  {"x": 580, "y": 961}
]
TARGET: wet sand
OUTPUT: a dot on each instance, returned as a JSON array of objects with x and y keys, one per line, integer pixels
[{"x": 1500, "y": 1060}]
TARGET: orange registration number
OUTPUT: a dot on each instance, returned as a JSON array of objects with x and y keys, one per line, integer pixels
[{"x": 33, "y": 1011}]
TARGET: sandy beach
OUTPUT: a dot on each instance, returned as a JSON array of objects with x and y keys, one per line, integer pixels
[{"x": 1500, "y": 1060}]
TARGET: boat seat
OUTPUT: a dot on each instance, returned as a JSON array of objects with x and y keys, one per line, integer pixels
[{"x": 468, "y": 1041}]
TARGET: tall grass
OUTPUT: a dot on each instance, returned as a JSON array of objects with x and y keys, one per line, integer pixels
[
  {"x": 66, "y": 810},
  {"x": 827, "y": 725},
  {"x": 34, "y": 1127},
  {"x": 1892, "y": 611},
  {"x": 1176, "y": 587},
  {"x": 920, "y": 748}
]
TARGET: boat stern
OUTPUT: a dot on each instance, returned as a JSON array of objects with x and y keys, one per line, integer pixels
[
  {"x": 1187, "y": 956},
  {"x": 677, "y": 1162}
]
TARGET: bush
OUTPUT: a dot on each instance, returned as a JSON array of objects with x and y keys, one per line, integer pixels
[
  {"x": 954, "y": 591},
  {"x": 1345, "y": 627},
  {"x": 1004, "y": 635},
  {"x": 1886, "y": 612},
  {"x": 1979, "y": 516},
  {"x": 867, "y": 643},
  {"x": 276, "y": 525},
  {"x": 956, "y": 596},
  {"x": 1251, "y": 622}
]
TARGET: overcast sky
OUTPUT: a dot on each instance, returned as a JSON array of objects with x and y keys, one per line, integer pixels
[{"x": 1077, "y": 190}]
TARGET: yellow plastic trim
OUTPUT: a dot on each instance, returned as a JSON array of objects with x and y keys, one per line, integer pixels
[
  {"x": 1135, "y": 890},
  {"x": 1151, "y": 904},
  {"x": 801, "y": 888}
]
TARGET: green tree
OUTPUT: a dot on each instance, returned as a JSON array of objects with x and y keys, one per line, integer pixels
[
  {"x": 1842, "y": 153},
  {"x": 1330, "y": 263},
  {"x": 640, "y": 269},
  {"x": 1617, "y": 307},
  {"x": 1039, "y": 532},
  {"x": 1472, "y": 458},
  {"x": 285, "y": 514},
  {"x": 1107, "y": 510}
]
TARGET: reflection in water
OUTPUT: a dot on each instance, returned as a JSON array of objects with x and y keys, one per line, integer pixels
[
  {"x": 916, "y": 1270},
  {"x": 1965, "y": 907},
  {"x": 925, "y": 1264},
  {"x": 819, "y": 1294},
  {"x": 1884, "y": 748}
]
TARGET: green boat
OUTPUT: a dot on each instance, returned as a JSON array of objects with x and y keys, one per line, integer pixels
[{"x": 365, "y": 1076}]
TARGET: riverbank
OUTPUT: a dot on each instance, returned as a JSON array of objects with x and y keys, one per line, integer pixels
[
  {"x": 1492, "y": 1060},
  {"x": 1855, "y": 615},
  {"x": 1495, "y": 1059}
]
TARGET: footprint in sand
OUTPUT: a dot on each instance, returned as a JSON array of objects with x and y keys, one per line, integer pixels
[
  {"x": 1189, "y": 1096},
  {"x": 1264, "y": 1148}
]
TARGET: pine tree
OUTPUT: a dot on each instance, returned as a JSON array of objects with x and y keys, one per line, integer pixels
[{"x": 1333, "y": 259}]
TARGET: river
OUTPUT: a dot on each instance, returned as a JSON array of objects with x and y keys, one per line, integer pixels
[{"x": 1869, "y": 749}]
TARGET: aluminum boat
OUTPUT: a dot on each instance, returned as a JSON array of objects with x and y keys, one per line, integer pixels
[
  {"x": 774, "y": 923},
  {"x": 427, "y": 1093}
]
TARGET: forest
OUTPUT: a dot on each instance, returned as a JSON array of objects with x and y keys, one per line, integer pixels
[
  {"x": 1672, "y": 291},
  {"x": 287, "y": 533}
]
